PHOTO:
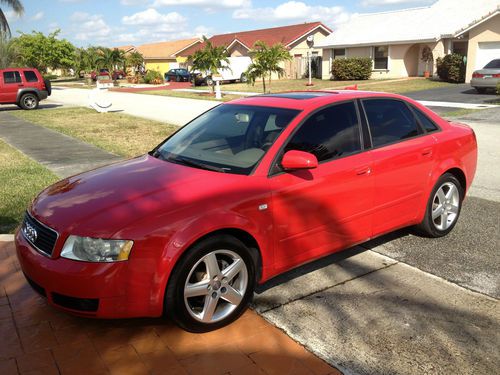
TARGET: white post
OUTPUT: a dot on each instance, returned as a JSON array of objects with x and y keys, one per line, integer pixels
[
  {"x": 218, "y": 94},
  {"x": 309, "y": 54}
]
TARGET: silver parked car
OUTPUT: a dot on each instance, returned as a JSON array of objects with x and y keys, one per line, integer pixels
[{"x": 486, "y": 78}]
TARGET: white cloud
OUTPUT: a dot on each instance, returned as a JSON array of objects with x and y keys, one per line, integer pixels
[
  {"x": 153, "y": 17},
  {"x": 207, "y": 3},
  {"x": 375, "y": 3},
  {"x": 295, "y": 11},
  {"x": 89, "y": 27},
  {"x": 11, "y": 15},
  {"x": 133, "y": 2},
  {"x": 37, "y": 17}
]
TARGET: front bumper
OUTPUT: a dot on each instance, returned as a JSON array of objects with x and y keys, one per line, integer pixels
[
  {"x": 101, "y": 290},
  {"x": 484, "y": 82}
]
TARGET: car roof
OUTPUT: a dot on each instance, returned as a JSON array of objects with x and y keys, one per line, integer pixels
[{"x": 309, "y": 99}]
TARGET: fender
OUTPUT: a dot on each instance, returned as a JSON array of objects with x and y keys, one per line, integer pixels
[
  {"x": 41, "y": 94},
  {"x": 190, "y": 232}
]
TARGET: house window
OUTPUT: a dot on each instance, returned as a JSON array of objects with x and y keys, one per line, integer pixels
[
  {"x": 381, "y": 57},
  {"x": 338, "y": 53}
]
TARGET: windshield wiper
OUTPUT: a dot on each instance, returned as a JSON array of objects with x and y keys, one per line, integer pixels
[{"x": 196, "y": 164}]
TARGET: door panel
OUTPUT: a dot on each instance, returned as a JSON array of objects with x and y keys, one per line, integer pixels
[{"x": 322, "y": 210}]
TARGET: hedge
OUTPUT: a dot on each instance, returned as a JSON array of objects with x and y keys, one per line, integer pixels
[
  {"x": 451, "y": 68},
  {"x": 154, "y": 77},
  {"x": 352, "y": 68}
]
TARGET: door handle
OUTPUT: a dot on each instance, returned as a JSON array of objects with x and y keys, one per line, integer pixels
[
  {"x": 427, "y": 152},
  {"x": 363, "y": 170}
]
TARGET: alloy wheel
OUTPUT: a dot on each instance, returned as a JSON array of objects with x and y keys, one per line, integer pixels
[
  {"x": 29, "y": 102},
  {"x": 215, "y": 286},
  {"x": 445, "y": 206}
]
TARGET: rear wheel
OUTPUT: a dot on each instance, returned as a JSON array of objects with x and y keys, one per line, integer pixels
[
  {"x": 443, "y": 207},
  {"x": 243, "y": 78},
  {"x": 29, "y": 101},
  {"x": 211, "y": 286}
]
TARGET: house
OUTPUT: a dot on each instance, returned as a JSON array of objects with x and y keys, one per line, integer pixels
[
  {"x": 164, "y": 56},
  {"x": 126, "y": 49},
  {"x": 395, "y": 40},
  {"x": 294, "y": 37}
]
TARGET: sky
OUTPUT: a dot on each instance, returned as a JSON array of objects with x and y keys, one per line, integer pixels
[{"x": 133, "y": 22}]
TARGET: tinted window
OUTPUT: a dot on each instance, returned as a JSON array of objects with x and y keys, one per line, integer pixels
[
  {"x": 426, "y": 123},
  {"x": 381, "y": 57},
  {"x": 389, "y": 121},
  {"x": 30, "y": 76},
  {"x": 330, "y": 133},
  {"x": 11, "y": 77},
  {"x": 494, "y": 64}
]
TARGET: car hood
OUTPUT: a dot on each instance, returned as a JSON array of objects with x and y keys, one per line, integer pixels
[{"x": 102, "y": 201}]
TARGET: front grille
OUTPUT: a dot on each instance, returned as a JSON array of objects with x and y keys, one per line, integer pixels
[
  {"x": 39, "y": 235},
  {"x": 37, "y": 288},
  {"x": 74, "y": 303}
]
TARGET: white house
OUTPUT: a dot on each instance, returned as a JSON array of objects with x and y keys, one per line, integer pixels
[{"x": 394, "y": 40}]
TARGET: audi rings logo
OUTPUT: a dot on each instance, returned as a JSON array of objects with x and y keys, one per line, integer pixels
[{"x": 29, "y": 232}]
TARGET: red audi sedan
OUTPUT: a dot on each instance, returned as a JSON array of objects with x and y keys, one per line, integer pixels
[{"x": 245, "y": 191}]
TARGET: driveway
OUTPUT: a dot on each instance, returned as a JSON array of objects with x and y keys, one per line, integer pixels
[
  {"x": 461, "y": 93},
  {"x": 175, "y": 111}
]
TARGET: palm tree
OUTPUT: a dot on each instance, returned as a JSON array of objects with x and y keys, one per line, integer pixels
[
  {"x": 266, "y": 61},
  {"x": 109, "y": 58},
  {"x": 18, "y": 9},
  {"x": 9, "y": 52},
  {"x": 135, "y": 61},
  {"x": 209, "y": 59}
]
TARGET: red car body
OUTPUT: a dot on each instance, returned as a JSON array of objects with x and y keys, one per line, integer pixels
[
  {"x": 18, "y": 84},
  {"x": 291, "y": 218}
]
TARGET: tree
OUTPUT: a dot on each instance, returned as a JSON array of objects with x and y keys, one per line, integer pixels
[
  {"x": 266, "y": 61},
  {"x": 8, "y": 52},
  {"x": 42, "y": 52},
  {"x": 109, "y": 58},
  {"x": 209, "y": 59},
  {"x": 18, "y": 9},
  {"x": 135, "y": 60}
]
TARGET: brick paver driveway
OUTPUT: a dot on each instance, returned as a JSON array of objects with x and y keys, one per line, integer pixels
[{"x": 37, "y": 339}]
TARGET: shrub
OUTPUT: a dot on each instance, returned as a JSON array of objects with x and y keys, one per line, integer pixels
[
  {"x": 451, "y": 68},
  {"x": 153, "y": 76},
  {"x": 352, "y": 68}
]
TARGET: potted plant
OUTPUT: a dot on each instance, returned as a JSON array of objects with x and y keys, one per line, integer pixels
[{"x": 427, "y": 58}]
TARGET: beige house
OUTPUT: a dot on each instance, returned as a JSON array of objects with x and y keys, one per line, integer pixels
[
  {"x": 293, "y": 37},
  {"x": 395, "y": 40}
]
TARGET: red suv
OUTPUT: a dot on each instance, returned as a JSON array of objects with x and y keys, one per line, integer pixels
[{"x": 24, "y": 87}]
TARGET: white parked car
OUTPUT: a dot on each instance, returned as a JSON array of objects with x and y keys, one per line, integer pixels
[{"x": 232, "y": 72}]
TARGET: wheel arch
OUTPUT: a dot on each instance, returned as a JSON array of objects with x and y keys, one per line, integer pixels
[
  {"x": 459, "y": 175},
  {"x": 25, "y": 91}
]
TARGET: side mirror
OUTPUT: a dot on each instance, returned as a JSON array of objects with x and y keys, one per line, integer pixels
[{"x": 293, "y": 160}]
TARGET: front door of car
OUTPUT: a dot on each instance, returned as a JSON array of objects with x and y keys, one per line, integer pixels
[
  {"x": 321, "y": 210},
  {"x": 11, "y": 84},
  {"x": 402, "y": 161}
]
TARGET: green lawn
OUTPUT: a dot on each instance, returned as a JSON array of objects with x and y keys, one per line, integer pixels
[
  {"x": 384, "y": 85},
  {"x": 114, "y": 132},
  {"x": 22, "y": 179}
]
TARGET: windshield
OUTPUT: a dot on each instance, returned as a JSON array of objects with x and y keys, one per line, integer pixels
[
  {"x": 228, "y": 138},
  {"x": 493, "y": 64}
]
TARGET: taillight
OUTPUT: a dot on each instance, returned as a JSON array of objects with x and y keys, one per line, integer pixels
[
  {"x": 496, "y": 75},
  {"x": 477, "y": 75}
]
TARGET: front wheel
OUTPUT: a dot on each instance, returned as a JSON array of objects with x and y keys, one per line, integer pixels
[
  {"x": 29, "y": 101},
  {"x": 443, "y": 207},
  {"x": 211, "y": 285}
]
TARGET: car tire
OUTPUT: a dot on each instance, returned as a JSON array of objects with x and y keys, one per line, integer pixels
[
  {"x": 209, "y": 81},
  {"x": 481, "y": 90},
  {"x": 29, "y": 101},
  {"x": 443, "y": 207},
  {"x": 211, "y": 285}
]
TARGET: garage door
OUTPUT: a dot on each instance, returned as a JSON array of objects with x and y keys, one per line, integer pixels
[{"x": 487, "y": 51}]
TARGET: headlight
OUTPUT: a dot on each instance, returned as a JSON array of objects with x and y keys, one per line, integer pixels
[{"x": 96, "y": 249}]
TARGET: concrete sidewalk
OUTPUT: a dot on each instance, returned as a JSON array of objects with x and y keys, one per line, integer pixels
[
  {"x": 176, "y": 111},
  {"x": 63, "y": 155}
]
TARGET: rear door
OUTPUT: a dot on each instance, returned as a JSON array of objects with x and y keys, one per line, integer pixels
[
  {"x": 11, "y": 84},
  {"x": 325, "y": 209},
  {"x": 402, "y": 160}
]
